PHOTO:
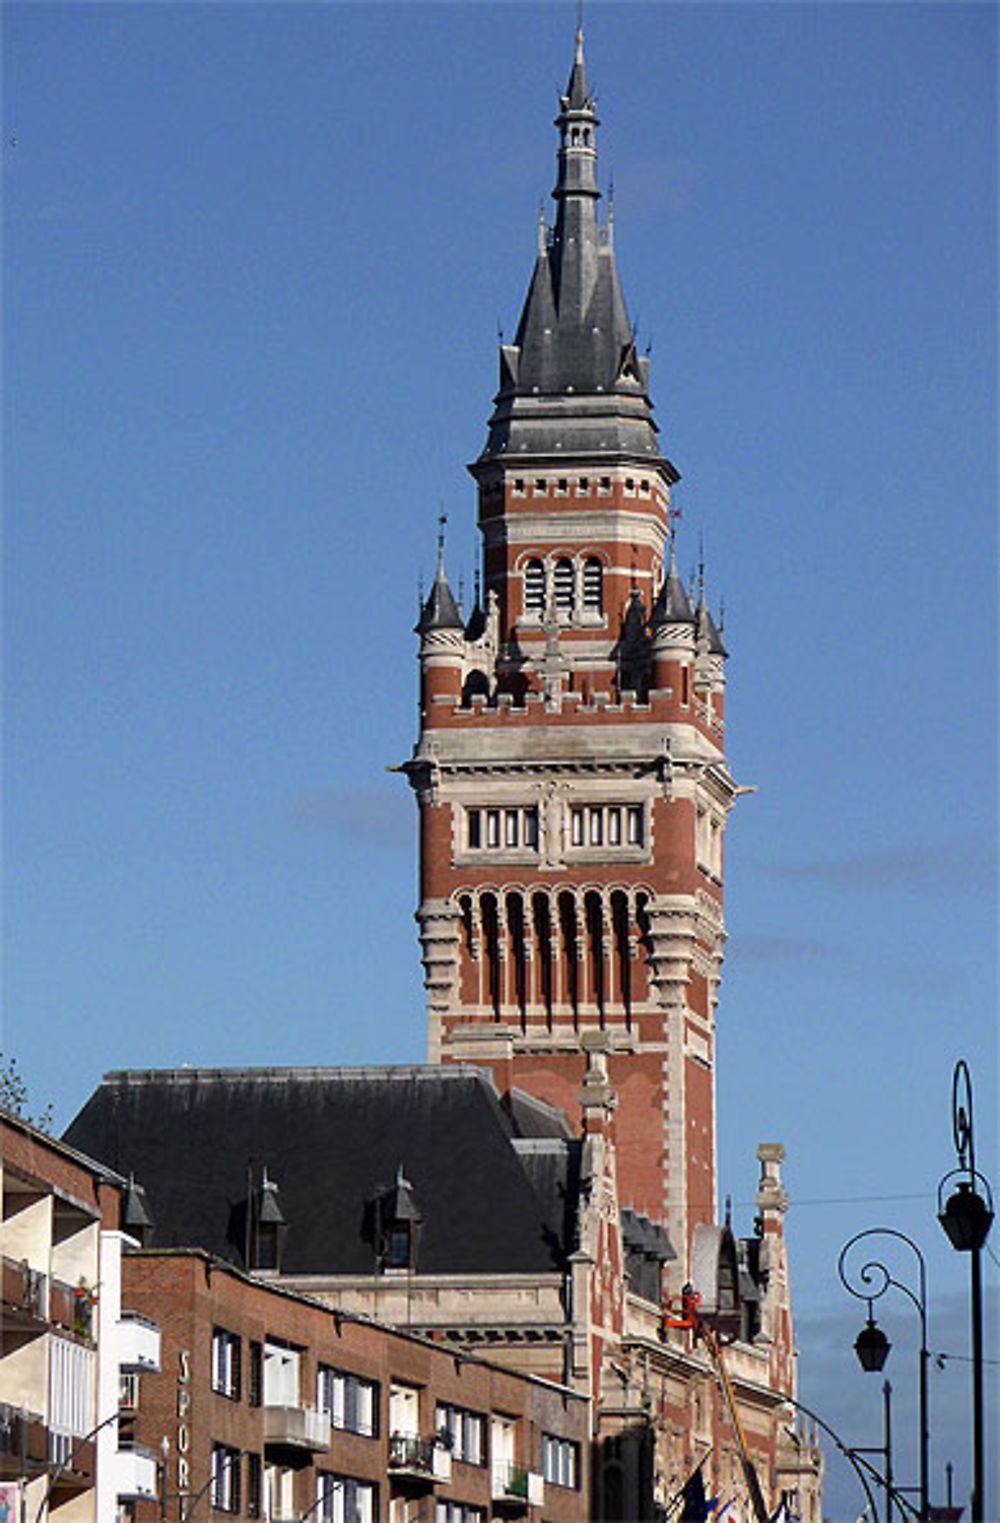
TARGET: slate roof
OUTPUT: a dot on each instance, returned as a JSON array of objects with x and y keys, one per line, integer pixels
[
  {"x": 572, "y": 382},
  {"x": 495, "y": 1185}
]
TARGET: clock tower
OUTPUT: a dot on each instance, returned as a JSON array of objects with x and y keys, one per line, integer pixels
[{"x": 570, "y": 768}]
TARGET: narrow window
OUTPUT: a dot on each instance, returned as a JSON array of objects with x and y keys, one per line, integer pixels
[
  {"x": 493, "y": 828},
  {"x": 253, "y": 1485},
  {"x": 540, "y": 486},
  {"x": 531, "y": 828},
  {"x": 635, "y": 825},
  {"x": 576, "y": 827},
  {"x": 255, "y": 1375},
  {"x": 510, "y": 827},
  {"x": 563, "y": 587},
  {"x": 614, "y": 827},
  {"x": 534, "y": 589},
  {"x": 593, "y": 578},
  {"x": 596, "y": 827},
  {"x": 474, "y": 818}
]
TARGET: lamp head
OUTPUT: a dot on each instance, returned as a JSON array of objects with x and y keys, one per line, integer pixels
[
  {"x": 966, "y": 1218},
  {"x": 872, "y": 1347}
]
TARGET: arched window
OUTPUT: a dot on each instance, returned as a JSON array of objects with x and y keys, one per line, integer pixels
[
  {"x": 534, "y": 589},
  {"x": 593, "y": 585},
  {"x": 563, "y": 587}
]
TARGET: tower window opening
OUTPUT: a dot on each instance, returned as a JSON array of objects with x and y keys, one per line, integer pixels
[
  {"x": 607, "y": 826},
  {"x": 540, "y": 486},
  {"x": 562, "y": 487},
  {"x": 586, "y": 136},
  {"x": 493, "y": 828},
  {"x": 605, "y": 486},
  {"x": 629, "y": 484},
  {"x": 614, "y": 827},
  {"x": 593, "y": 585},
  {"x": 634, "y": 815},
  {"x": 685, "y": 685},
  {"x": 474, "y": 828},
  {"x": 576, "y": 827},
  {"x": 501, "y": 829},
  {"x": 510, "y": 827},
  {"x": 531, "y": 827},
  {"x": 563, "y": 587},
  {"x": 583, "y": 486},
  {"x": 644, "y": 488},
  {"x": 534, "y": 588},
  {"x": 596, "y": 833},
  {"x": 519, "y": 486}
]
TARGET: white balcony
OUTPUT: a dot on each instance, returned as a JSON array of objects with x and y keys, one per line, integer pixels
[
  {"x": 515, "y": 1488},
  {"x": 134, "y": 1474},
  {"x": 138, "y": 1344},
  {"x": 297, "y": 1428}
]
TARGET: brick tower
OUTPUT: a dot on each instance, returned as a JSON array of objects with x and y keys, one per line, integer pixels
[{"x": 570, "y": 773}]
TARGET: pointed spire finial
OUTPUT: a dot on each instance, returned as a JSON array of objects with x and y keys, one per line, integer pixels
[{"x": 442, "y": 520}]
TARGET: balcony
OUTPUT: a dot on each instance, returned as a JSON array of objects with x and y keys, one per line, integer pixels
[
  {"x": 297, "y": 1428},
  {"x": 138, "y": 1344},
  {"x": 24, "y": 1442},
  {"x": 72, "y": 1309},
  {"x": 134, "y": 1474},
  {"x": 514, "y": 1488},
  {"x": 418, "y": 1460},
  {"x": 25, "y": 1297}
]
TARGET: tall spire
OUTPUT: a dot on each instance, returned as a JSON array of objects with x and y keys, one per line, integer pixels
[{"x": 574, "y": 341}]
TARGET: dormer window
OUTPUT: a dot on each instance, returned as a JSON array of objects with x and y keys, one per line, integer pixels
[{"x": 400, "y": 1221}]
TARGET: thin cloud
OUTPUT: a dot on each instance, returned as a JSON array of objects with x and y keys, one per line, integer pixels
[
  {"x": 376, "y": 816},
  {"x": 755, "y": 947},
  {"x": 933, "y": 865}
]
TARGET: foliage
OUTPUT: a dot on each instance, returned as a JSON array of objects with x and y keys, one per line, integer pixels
[{"x": 14, "y": 1096}]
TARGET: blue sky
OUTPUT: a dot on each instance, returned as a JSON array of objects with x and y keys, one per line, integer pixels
[{"x": 255, "y": 261}]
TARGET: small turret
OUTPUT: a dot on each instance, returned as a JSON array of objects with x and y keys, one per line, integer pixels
[
  {"x": 672, "y": 631},
  {"x": 442, "y": 642}
]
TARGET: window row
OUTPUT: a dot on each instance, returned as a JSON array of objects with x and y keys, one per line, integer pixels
[
  {"x": 560, "y": 1461},
  {"x": 495, "y": 829},
  {"x": 566, "y": 584},
  {"x": 462, "y": 1432},
  {"x": 589, "y": 825},
  {"x": 606, "y": 825},
  {"x": 580, "y": 486}
]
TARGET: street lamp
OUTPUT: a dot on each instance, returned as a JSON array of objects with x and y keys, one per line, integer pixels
[
  {"x": 966, "y": 1218},
  {"x": 872, "y": 1346}
]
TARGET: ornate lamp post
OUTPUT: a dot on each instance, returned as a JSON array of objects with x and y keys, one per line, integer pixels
[
  {"x": 966, "y": 1217},
  {"x": 872, "y": 1346}
]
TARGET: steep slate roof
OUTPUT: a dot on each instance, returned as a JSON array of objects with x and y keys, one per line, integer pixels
[
  {"x": 572, "y": 382},
  {"x": 331, "y": 1140}
]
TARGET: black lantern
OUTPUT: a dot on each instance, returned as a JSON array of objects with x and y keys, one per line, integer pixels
[
  {"x": 966, "y": 1218},
  {"x": 872, "y": 1347}
]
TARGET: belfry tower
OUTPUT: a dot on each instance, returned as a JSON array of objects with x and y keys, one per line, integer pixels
[{"x": 570, "y": 772}]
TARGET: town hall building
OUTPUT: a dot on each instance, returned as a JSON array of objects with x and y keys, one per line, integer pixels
[{"x": 542, "y": 1195}]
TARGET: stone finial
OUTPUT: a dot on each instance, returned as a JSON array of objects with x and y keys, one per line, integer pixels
[
  {"x": 771, "y": 1194},
  {"x": 597, "y": 1098}
]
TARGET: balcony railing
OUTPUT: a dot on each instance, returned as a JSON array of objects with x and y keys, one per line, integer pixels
[
  {"x": 297, "y": 1428},
  {"x": 24, "y": 1441},
  {"x": 418, "y": 1458},
  {"x": 516, "y": 1486},
  {"x": 72, "y": 1308},
  {"x": 138, "y": 1344},
  {"x": 25, "y": 1291},
  {"x": 134, "y": 1474}
]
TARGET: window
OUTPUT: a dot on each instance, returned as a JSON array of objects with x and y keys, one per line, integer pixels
[
  {"x": 225, "y": 1478},
  {"x": 255, "y": 1375},
  {"x": 351, "y": 1401},
  {"x": 519, "y": 486},
  {"x": 564, "y": 590},
  {"x": 593, "y": 578},
  {"x": 534, "y": 589},
  {"x": 281, "y": 1376},
  {"x": 128, "y": 1392},
  {"x": 279, "y": 1482},
  {"x": 514, "y": 829},
  {"x": 458, "y": 1512},
  {"x": 253, "y": 1485},
  {"x": 605, "y": 486},
  {"x": 540, "y": 486},
  {"x": 342, "y": 1499},
  {"x": 559, "y": 1461},
  {"x": 226, "y": 1363},
  {"x": 583, "y": 486},
  {"x": 464, "y": 1432},
  {"x": 562, "y": 486},
  {"x": 606, "y": 825}
]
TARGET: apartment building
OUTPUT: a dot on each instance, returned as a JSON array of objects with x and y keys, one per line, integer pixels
[
  {"x": 272, "y": 1405},
  {"x": 68, "y": 1350}
]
